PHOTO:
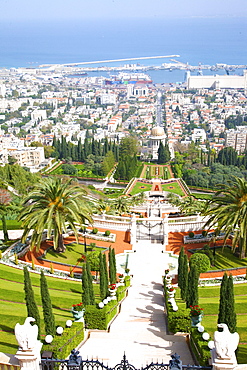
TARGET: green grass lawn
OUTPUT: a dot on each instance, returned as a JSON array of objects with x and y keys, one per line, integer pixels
[
  {"x": 226, "y": 259},
  {"x": 173, "y": 187},
  {"x": 209, "y": 301},
  {"x": 63, "y": 294},
  {"x": 202, "y": 196},
  {"x": 72, "y": 255},
  {"x": 162, "y": 170},
  {"x": 140, "y": 187}
]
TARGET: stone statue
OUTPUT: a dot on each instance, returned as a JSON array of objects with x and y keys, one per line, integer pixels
[
  {"x": 225, "y": 343},
  {"x": 26, "y": 334}
]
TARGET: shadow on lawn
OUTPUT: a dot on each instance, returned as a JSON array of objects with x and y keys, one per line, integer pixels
[
  {"x": 6, "y": 328},
  {"x": 9, "y": 345}
]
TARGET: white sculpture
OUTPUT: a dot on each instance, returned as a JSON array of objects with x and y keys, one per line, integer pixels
[
  {"x": 225, "y": 343},
  {"x": 27, "y": 334}
]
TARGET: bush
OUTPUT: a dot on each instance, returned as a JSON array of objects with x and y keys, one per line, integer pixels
[
  {"x": 200, "y": 347},
  {"x": 107, "y": 232},
  {"x": 63, "y": 345},
  {"x": 191, "y": 234},
  {"x": 121, "y": 293},
  {"x": 94, "y": 231},
  {"x": 201, "y": 261},
  {"x": 204, "y": 233},
  {"x": 127, "y": 281},
  {"x": 178, "y": 321},
  {"x": 99, "y": 318}
]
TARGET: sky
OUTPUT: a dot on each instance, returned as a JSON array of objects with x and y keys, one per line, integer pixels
[{"x": 24, "y": 10}]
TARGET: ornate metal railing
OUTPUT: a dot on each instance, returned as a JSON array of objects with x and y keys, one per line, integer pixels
[{"x": 75, "y": 362}]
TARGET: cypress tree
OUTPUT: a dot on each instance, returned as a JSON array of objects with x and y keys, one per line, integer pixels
[
  {"x": 184, "y": 288},
  {"x": 106, "y": 275},
  {"x": 114, "y": 266},
  {"x": 180, "y": 266},
  {"x": 102, "y": 277},
  {"x": 90, "y": 283},
  {"x": 32, "y": 308},
  {"x": 49, "y": 319},
  {"x": 85, "y": 288},
  {"x": 223, "y": 298},
  {"x": 230, "y": 318},
  {"x": 192, "y": 293}
]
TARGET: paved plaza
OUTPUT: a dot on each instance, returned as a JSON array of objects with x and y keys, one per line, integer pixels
[{"x": 140, "y": 330}]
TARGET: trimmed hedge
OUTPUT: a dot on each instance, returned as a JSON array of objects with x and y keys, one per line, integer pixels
[
  {"x": 127, "y": 281},
  {"x": 70, "y": 339},
  {"x": 199, "y": 347},
  {"x": 99, "y": 318},
  {"x": 121, "y": 293},
  {"x": 178, "y": 321}
]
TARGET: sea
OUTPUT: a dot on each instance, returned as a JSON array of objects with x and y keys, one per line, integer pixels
[{"x": 205, "y": 41}]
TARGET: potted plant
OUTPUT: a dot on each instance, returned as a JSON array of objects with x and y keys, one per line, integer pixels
[
  {"x": 127, "y": 271},
  {"x": 196, "y": 314},
  {"x": 171, "y": 292},
  {"x": 78, "y": 311},
  {"x": 112, "y": 289},
  {"x": 121, "y": 278}
]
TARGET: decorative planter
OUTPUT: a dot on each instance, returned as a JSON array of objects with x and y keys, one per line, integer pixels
[
  {"x": 112, "y": 292},
  {"x": 195, "y": 320},
  {"x": 78, "y": 315},
  {"x": 171, "y": 294}
]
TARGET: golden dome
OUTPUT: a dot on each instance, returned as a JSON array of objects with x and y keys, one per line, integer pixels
[{"x": 157, "y": 131}]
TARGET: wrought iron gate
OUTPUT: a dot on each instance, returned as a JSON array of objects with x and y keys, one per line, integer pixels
[
  {"x": 75, "y": 362},
  {"x": 150, "y": 230}
]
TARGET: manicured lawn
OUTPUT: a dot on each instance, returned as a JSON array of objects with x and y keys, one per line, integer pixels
[
  {"x": 80, "y": 171},
  {"x": 173, "y": 187},
  {"x": 73, "y": 254},
  {"x": 209, "y": 301},
  {"x": 153, "y": 171},
  {"x": 63, "y": 294},
  {"x": 202, "y": 196},
  {"x": 140, "y": 187},
  {"x": 226, "y": 259}
]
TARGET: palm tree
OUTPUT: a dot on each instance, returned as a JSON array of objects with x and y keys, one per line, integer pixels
[
  {"x": 227, "y": 212},
  {"x": 53, "y": 205},
  {"x": 122, "y": 205}
]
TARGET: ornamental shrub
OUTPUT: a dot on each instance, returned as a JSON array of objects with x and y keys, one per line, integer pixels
[
  {"x": 191, "y": 234},
  {"x": 204, "y": 233},
  {"x": 32, "y": 308},
  {"x": 107, "y": 232},
  {"x": 201, "y": 261},
  {"x": 62, "y": 346},
  {"x": 49, "y": 319},
  {"x": 94, "y": 231},
  {"x": 199, "y": 347},
  {"x": 99, "y": 318}
]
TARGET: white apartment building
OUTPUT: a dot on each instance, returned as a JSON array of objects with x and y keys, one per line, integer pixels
[
  {"x": 38, "y": 114},
  {"x": 199, "y": 134},
  {"x": 237, "y": 139},
  {"x": 28, "y": 157}
]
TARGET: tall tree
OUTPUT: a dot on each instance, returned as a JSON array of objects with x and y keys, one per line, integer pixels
[
  {"x": 102, "y": 278},
  {"x": 106, "y": 275},
  {"x": 192, "y": 293},
  {"x": 90, "y": 283},
  {"x": 223, "y": 298},
  {"x": 180, "y": 267},
  {"x": 227, "y": 211},
  {"x": 53, "y": 205},
  {"x": 5, "y": 199},
  {"x": 231, "y": 319},
  {"x": 184, "y": 289},
  {"x": 49, "y": 319},
  {"x": 85, "y": 287},
  {"x": 32, "y": 308}
]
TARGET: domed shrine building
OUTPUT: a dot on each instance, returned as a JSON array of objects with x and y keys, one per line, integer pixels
[{"x": 157, "y": 135}]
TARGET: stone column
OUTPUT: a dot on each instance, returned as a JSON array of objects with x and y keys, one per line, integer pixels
[{"x": 30, "y": 359}]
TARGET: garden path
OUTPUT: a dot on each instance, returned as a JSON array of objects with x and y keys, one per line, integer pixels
[{"x": 140, "y": 329}]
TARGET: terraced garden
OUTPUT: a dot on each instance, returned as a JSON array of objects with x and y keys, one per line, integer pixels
[
  {"x": 173, "y": 187},
  {"x": 156, "y": 171},
  {"x": 209, "y": 301},
  {"x": 63, "y": 294},
  {"x": 73, "y": 255}
]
